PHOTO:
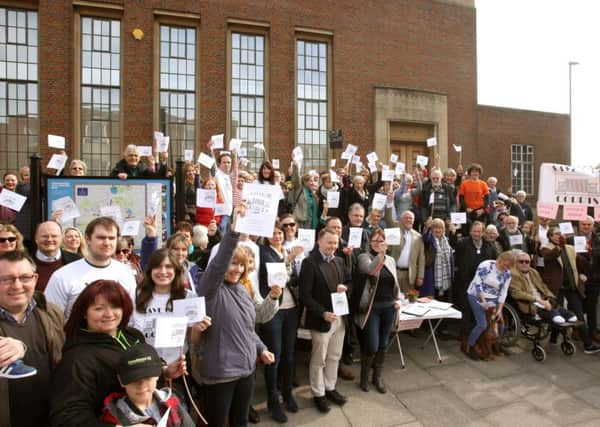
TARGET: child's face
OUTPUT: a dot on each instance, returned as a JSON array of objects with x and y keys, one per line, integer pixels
[{"x": 140, "y": 391}]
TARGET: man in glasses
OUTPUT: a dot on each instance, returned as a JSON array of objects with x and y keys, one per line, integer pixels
[
  {"x": 48, "y": 256},
  {"x": 31, "y": 334},
  {"x": 533, "y": 297}
]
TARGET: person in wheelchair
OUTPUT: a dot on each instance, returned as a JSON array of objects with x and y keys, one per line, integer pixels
[{"x": 532, "y": 295}]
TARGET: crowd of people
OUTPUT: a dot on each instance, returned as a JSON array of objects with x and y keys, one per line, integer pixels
[{"x": 79, "y": 311}]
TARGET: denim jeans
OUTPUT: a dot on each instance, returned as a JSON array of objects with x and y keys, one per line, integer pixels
[
  {"x": 480, "y": 318},
  {"x": 279, "y": 335},
  {"x": 376, "y": 334},
  {"x": 224, "y": 224}
]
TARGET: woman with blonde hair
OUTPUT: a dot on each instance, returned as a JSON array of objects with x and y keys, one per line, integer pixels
[
  {"x": 74, "y": 242},
  {"x": 10, "y": 239}
]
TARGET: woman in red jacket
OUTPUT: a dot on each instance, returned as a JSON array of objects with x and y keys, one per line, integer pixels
[{"x": 205, "y": 215}]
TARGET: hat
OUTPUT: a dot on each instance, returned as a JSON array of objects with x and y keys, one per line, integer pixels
[{"x": 140, "y": 361}]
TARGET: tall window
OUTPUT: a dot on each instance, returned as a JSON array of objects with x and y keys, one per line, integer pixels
[
  {"x": 100, "y": 93},
  {"x": 19, "y": 116},
  {"x": 178, "y": 87},
  {"x": 248, "y": 93},
  {"x": 312, "y": 102},
  {"x": 522, "y": 163}
]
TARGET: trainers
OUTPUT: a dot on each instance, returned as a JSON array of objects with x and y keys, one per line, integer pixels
[
  {"x": 336, "y": 397},
  {"x": 290, "y": 404},
  {"x": 322, "y": 404},
  {"x": 558, "y": 319},
  {"x": 591, "y": 349},
  {"x": 17, "y": 370},
  {"x": 573, "y": 319},
  {"x": 276, "y": 412}
]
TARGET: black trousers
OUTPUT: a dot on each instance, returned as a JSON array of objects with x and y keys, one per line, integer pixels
[
  {"x": 231, "y": 399},
  {"x": 592, "y": 290}
]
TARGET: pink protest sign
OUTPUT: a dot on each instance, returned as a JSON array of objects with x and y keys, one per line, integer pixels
[
  {"x": 574, "y": 212},
  {"x": 547, "y": 209},
  {"x": 597, "y": 213}
]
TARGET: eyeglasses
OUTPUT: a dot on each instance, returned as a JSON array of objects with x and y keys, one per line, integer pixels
[
  {"x": 524, "y": 261},
  {"x": 289, "y": 224},
  {"x": 122, "y": 251},
  {"x": 23, "y": 278},
  {"x": 11, "y": 239},
  {"x": 377, "y": 241}
]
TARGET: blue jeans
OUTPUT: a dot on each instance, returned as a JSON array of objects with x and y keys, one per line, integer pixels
[
  {"x": 480, "y": 319},
  {"x": 279, "y": 335},
  {"x": 224, "y": 224},
  {"x": 376, "y": 334}
]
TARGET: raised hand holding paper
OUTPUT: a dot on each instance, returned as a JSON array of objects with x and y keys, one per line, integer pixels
[
  {"x": 68, "y": 207},
  {"x": 259, "y": 146},
  {"x": 276, "y": 274},
  {"x": 261, "y": 211},
  {"x": 333, "y": 199},
  {"x": 400, "y": 168},
  {"x": 275, "y": 163},
  {"x": 379, "y": 201},
  {"x": 194, "y": 309},
  {"x": 393, "y": 158},
  {"x": 57, "y": 161},
  {"x": 422, "y": 160},
  {"x": 162, "y": 146},
  {"x": 355, "y": 237},
  {"x": 431, "y": 142},
  {"x": 12, "y": 200},
  {"x": 206, "y": 160},
  {"x": 235, "y": 144},
  {"x": 56, "y": 141},
  {"x": 458, "y": 217},
  {"x": 392, "y": 236},
  {"x": 566, "y": 228},
  {"x": 144, "y": 150},
  {"x": 387, "y": 175},
  {"x": 457, "y": 148},
  {"x": 372, "y": 157},
  {"x": 352, "y": 149},
  {"x": 217, "y": 141},
  {"x": 206, "y": 198},
  {"x": 188, "y": 155}
]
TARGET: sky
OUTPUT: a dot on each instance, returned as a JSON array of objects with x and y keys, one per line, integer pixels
[{"x": 523, "y": 53}]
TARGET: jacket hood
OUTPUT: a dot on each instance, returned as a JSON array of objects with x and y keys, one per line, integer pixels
[{"x": 85, "y": 337}]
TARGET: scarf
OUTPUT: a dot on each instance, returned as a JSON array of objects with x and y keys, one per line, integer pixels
[{"x": 442, "y": 265}]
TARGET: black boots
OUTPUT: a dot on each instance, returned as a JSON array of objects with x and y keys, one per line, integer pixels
[
  {"x": 366, "y": 361},
  {"x": 377, "y": 369}
]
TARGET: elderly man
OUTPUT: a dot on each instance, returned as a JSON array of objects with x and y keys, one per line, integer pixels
[
  {"x": 410, "y": 254},
  {"x": 131, "y": 167},
  {"x": 437, "y": 199},
  {"x": 69, "y": 281},
  {"x": 31, "y": 332},
  {"x": 511, "y": 236},
  {"x": 49, "y": 257},
  {"x": 520, "y": 208},
  {"x": 323, "y": 274}
]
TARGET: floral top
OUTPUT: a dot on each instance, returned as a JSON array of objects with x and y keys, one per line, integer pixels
[{"x": 492, "y": 282}]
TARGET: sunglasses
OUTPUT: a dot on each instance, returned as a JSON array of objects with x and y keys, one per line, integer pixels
[
  {"x": 289, "y": 224},
  {"x": 524, "y": 261},
  {"x": 122, "y": 251},
  {"x": 8, "y": 239}
]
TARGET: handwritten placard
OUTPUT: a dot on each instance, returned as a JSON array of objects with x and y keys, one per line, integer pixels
[
  {"x": 392, "y": 236},
  {"x": 194, "y": 309},
  {"x": 333, "y": 199},
  {"x": 422, "y": 160},
  {"x": 206, "y": 198},
  {"x": 306, "y": 237},
  {"x": 144, "y": 150},
  {"x": 458, "y": 217},
  {"x": 130, "y": 228},
  {"x": 355, "y": 237},
  {"x": 580, "y": 243},
  {"x": 387, "y": 175},
  {"x": 56, "y": 141},
  {"x": 188, "y": 155},
  {"x": 216, "y": 141},
  {"x": 276, "y": 274},
  {"x": 12, "y": 200},
  {"x": 339, "y": 302},
  {"x": 431, "y": 142},
  {"x": 68, "y": 207},
  {"x": 547, "y": 209},
  {"x": 170, "y": 331},
  {"x": 566, "y": 228},
  {"x": 262, "y": 202},
  {"x": 393, "y": 158},
  {"x": 575, "y": 212}
]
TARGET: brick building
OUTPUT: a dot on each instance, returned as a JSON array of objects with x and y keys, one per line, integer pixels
[{"x": 389, "y": 74}]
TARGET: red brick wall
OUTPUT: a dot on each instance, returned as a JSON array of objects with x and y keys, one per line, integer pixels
[{"x": 498, "y": 128}]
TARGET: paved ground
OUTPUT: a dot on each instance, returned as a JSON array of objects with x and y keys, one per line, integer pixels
[{"x": 509, "y": 391}]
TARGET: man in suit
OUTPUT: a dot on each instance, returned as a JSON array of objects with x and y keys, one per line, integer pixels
[
  {"x": 410, "y": 255},
  {"x": 322, "y": 273}
]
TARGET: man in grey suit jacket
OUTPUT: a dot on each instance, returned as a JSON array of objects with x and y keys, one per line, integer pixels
[{"x": 410, "y": 255}]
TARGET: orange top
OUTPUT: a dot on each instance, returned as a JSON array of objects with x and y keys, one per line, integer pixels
[{"x": 473, "y": 192}]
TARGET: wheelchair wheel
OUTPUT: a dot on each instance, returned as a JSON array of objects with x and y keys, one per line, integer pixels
[
  {"x": 568, "y": 348},
  {"x": 512, "y": 326},
  {"x": 538, "y": 353}
]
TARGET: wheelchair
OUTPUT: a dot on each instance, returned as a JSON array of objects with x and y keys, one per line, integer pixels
[{"x": 535, "y": 329}]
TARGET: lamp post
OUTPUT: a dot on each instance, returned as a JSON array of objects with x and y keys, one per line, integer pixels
[{"x": 571, "y": 64}]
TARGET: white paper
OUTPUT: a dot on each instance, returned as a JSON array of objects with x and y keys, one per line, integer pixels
[
  {"x": 458, "y": 217},
  {"x": 68, "y": 207},
  {"x": 306, "y": 237},
  {"x": 332, "y": 163},
  {"x": 194, "y": 309},
  {"x": 457, "y": 148},
  {"x": 113, "y": 212},
  {"x": 334, "y": 176},
  {"x": 566, "y": 228},
  {"x": 333, "y": 199},
  {"x": 387, "y": 175},
  {"x": 356, "y": 160},
  {"x": 393, "y": 158},
  {"x": 339, "y": 302},
  {"x": 379, "y": 201},
  {"x": 12, "y": 200},
  {"x": 262, "y": 202},
  {"x": 372, "y": 157},
  {"x": 580, "y": 243},
  {"x": 144, "y": 150},
  {"x": 130, "y": 228},
  {"x": 276, "y": 274},
  {"x": 422, "y": 160},
  {"x": 516, "y": 239},
  {"x": 235, "y": 144},
  {"x": 243, "y": 152},
  {"x": 503, "y": 196},
  {"x": 275, "y": 163},
  {"x": 158, "y": 136},
  {"x": 259, "y": 146},
  {"x": 515, "y": 172},
  {"x": 432, "y": 142},
  {"x": 355, "y": 237},
  {"x": 415, "y": 309},
  {"x": 392, "y": 236},
  {"x": 57, "y": 161},
  {"x": 162, "y": 146},
  {"x": 206, "y": 198},
  {"x": 56, "y": 141},
  {"x": 221, "y": 209},
  {"x": 188, "y": 155},
  {"x": 352, "y": 149},
  {"x": 206, "y": 160},
  {"x": 297, "y": 154},
  {"x": 400, "y": 168},
  {"x": 170, "y": 331},
  {"x": 217, "y": 141},
  {"x": 439, "y": 305},
  {"x": 346, "y": 156},
  {"x": 164, "y": 419},
  {"x": 372, "y": 167}
]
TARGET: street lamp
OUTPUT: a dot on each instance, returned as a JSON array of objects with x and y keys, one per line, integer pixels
[{"x": 571, "y": 64}]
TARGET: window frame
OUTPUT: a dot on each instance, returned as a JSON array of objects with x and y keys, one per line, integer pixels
[
  {"x": 248, "y": 28},
  {"x": 319, "y": 36},
  {"x": 520, "y": 151}
]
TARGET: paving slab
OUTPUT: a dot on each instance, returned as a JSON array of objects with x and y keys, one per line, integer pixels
[{"x": 518, "y": 414}]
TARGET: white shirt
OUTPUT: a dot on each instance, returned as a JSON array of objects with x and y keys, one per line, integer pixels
[
  {"x": 403, "y": 259},
  {"x": 543, "y": 235},
  {"x": 224, "y": 183},
  {"x": 69, "y": 281}
]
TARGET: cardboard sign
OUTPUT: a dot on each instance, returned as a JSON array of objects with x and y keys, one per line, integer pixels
[
  {"x": 192, "y": 308},
  {"x": 575, "y": 212},
  {"x": 547, "y": 209}
]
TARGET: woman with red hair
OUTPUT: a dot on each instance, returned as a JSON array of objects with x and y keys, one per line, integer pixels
[{"x": 96, "y": 336}]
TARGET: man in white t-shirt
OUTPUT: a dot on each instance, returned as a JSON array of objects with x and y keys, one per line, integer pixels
[{"x": 68, "y": 282}]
